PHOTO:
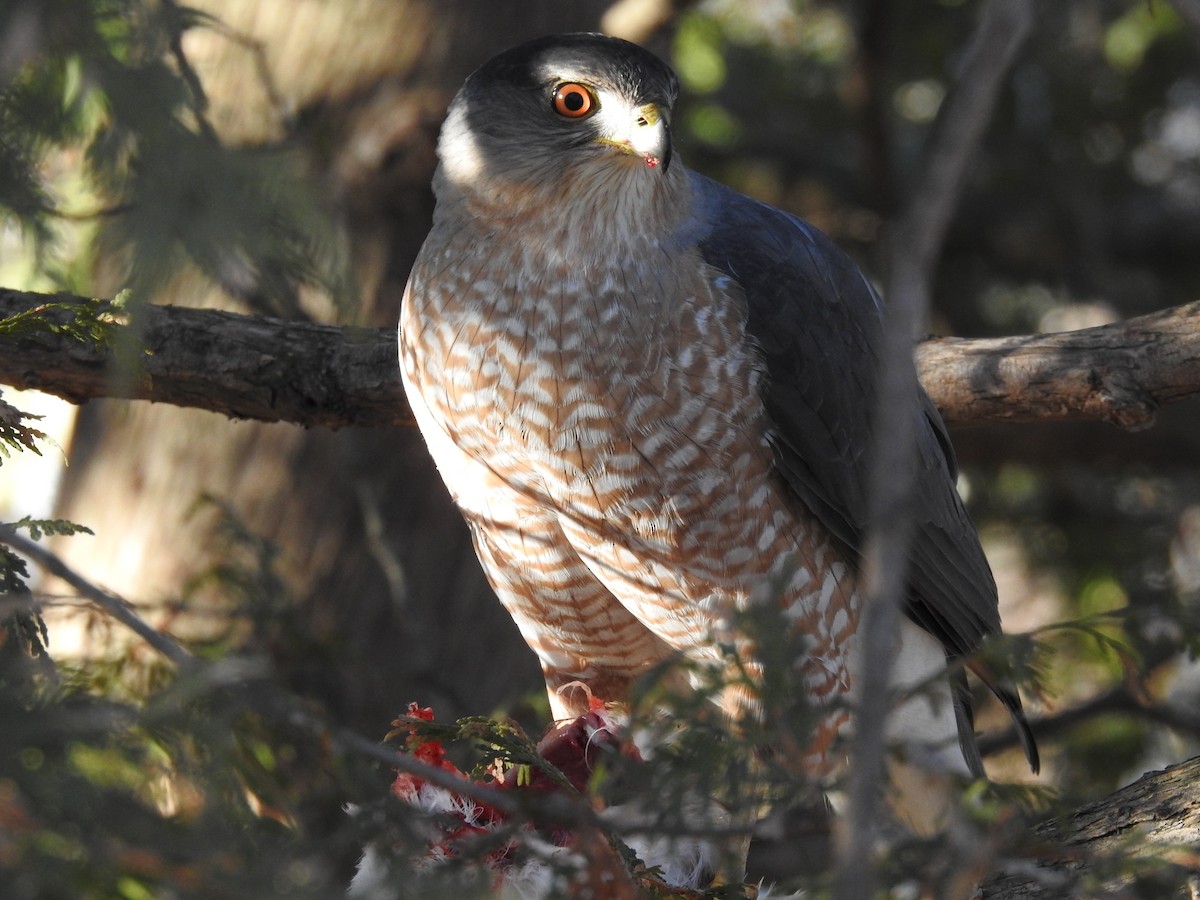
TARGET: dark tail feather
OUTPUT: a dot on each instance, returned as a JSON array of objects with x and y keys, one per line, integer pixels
[
  {"x": 1012, "y": 702},
  {"x": 964, "y": 716}
]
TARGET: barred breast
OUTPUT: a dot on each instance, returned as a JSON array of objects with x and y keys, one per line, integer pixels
[{"x": 603, "y": 431}]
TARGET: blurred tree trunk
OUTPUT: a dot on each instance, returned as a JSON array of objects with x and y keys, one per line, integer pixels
[{"x": 388, "y": 603}]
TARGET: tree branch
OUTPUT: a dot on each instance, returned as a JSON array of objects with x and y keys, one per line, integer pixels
[
  {"x": 254, "y": 367},
  {"x": 1120, "y": 373},
  {"x": 112, "y": 605},
  {"x": 1150, "y": 827},
  {"x": 245, "y": 367}
]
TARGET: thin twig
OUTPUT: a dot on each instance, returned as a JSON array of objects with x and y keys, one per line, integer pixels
[
  {"x": 110, "y": 603},
  {"x": 104, "y": 212},
  {"x": 177, "y": 22},
  {"x": 540, "y": 808},
  {"x": 559, "y": 808},
  {"x": 257, "y": 49},
  {"x": 913, "y": 245},
  {"x": 1119, "y": 699}
]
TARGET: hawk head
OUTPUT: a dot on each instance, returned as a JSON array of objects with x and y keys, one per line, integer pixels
[{"x": 559, "y": 115}]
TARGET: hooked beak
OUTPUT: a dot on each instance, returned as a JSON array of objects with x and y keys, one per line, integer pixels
[
  {"x": 651, "y": 137},
  {"x": 645, "y": 135}
]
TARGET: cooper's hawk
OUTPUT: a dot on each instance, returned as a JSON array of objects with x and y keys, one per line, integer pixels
[{"x": 651, "y": 396}]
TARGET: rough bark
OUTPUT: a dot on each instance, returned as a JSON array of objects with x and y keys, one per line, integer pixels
[
  {"x": 1138, "y": 842},
  {"x": 1120, "y": 373},
  {"x": 272, "y": 370},
  {"x": 244, "y": 367},
  {"x": 1149, "y": 829}
]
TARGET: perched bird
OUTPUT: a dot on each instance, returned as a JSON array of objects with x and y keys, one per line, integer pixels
[{"x": 652, "y": 396}]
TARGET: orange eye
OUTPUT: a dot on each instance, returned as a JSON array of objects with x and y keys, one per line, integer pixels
[{"x": 573, "y": 100}]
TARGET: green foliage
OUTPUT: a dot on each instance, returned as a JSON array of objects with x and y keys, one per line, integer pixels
[
  {"x": 110, "y": 80},
  {"x": 24, "y": 661},
  {"x": 1127, "y": 40},
  {"x": 90, "y": 322},
  {"x": 165, "y": 798},
  {"x": 197, "y": 786},
  {"x": 15, "y": 434},
  {"x": 38, "y": 528}
]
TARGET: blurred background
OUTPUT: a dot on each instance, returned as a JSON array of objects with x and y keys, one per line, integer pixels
[{"x": 275, "y": 158}]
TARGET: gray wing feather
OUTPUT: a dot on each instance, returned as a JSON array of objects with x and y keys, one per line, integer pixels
[{"x": 817, "y": 323}]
